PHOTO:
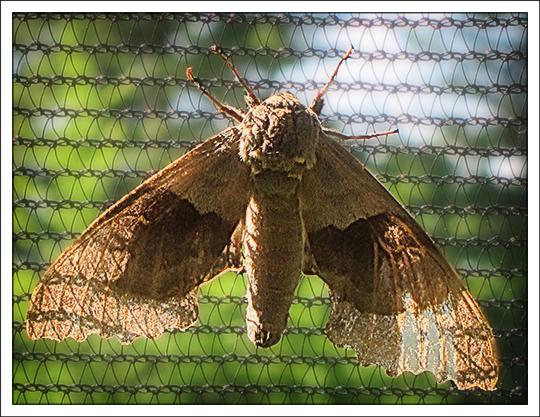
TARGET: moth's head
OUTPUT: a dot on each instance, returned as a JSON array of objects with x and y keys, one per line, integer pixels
[{"x": 280, "y": 134}]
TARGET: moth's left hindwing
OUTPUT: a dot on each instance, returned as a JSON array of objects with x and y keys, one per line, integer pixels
[
  {"x": 134, "y": 272},
  {"x": 395, "y": 299}
]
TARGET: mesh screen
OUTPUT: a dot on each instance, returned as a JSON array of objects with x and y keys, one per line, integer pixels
[{"x": 101, "y": 101}]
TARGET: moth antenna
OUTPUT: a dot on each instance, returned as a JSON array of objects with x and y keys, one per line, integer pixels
[
  {"x": 317, "y": 103},
  {"x": 253, "y": 99},
  {"x": 341, "y": 136},
  {"x": 231, "y": 111}
]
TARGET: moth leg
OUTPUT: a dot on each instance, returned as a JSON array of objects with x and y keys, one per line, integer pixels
[
  {"x": 231, "y": 258},
  {"x": 225, "y": 108},
  {"x": 343, "y": 137}
]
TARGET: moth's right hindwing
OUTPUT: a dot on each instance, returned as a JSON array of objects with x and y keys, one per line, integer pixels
[
  {"x": 395, "y": 299},
  {"x": 135, "y": 271}
]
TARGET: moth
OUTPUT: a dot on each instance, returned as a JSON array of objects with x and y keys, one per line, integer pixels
[{"x": 274, "y": 196}]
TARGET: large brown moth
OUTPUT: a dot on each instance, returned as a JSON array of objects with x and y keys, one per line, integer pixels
[{"x": 274, "y": 196}]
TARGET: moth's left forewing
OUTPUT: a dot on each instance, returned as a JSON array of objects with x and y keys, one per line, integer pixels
[
  {"x": 395, "y": 299},
  {"x": 136, "y": 269}
]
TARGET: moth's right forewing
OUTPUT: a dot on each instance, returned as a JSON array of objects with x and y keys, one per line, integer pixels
[
  {"x": 395, "y": 298},
  {"x": 135, "y": 270}
]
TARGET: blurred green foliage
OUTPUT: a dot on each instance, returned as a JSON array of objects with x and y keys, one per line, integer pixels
[{"x": 102, "y": 101}]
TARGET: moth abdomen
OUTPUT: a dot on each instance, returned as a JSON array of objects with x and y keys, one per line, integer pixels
[{"x": 274, "y": 244}]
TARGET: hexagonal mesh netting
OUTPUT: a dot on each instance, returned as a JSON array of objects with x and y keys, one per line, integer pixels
[{"x": 102, "y": 101}]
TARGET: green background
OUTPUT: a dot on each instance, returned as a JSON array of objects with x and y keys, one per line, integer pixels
[{"x": 101, "y": 102}]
